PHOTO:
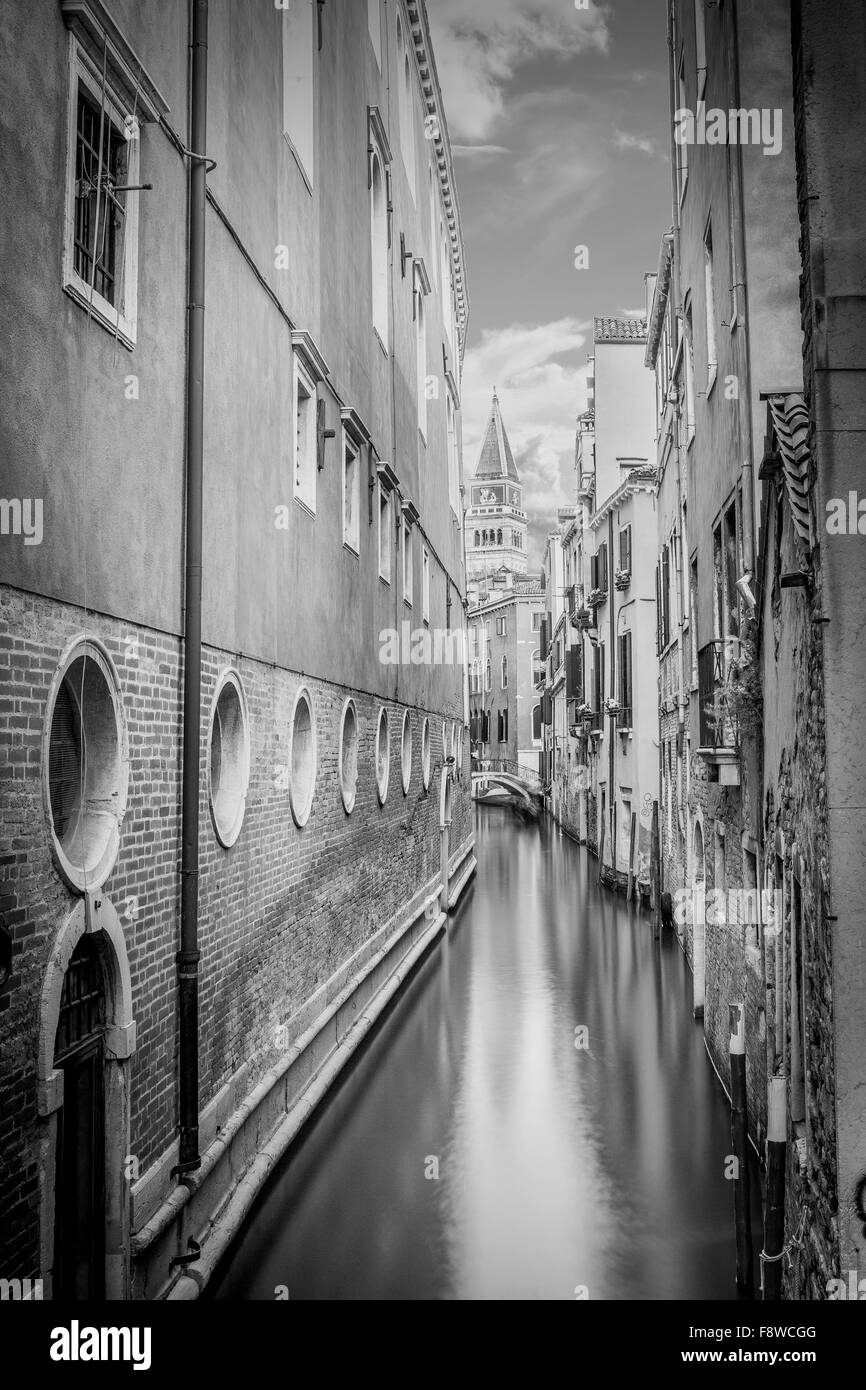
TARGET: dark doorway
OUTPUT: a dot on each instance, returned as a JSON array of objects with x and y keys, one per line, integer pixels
[{"x": 79, "y": 1265}]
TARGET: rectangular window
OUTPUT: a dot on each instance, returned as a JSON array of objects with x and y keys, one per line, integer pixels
[
  {"x": 719, "y": 585},
  {"x": 298, "y": 38},
  {"x": 536, "y": 621},
  {"x": 701, "y": 46},
  {"x": 453, "y": 457},
  {"x": 625, "y": 549},
  {"x": 385, "y": 525},
  {"x": 407, "y": 562},
  {"x": 689, "y": 353},
  {"x": 374, "y": 24},
  {"x": 100, "y": 253},
  {"x": 406, "y": 103},
  {"x": 798, "y": 1029},
  {"x": 425, "y": 584},
  {"x": 501, "y": 627},
  {"x": 304, "y": 440},
  {"x": 682, "y": 150},
  {"x": 710, "y": 299},
  {"x": 693, "y": 599},
  {"x": 351, "y": 494},
  {"x": 421, "y": 360},
  {"x": 602, "y": 566},
  {"x": 732, "y": 593},
  {"x": 625, "y": 682},
  {"x": 666, "y": 596}
]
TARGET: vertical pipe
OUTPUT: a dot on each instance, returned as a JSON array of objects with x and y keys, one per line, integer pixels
[
  {"x": 188, "y": 956},
  {"x": 774, "y": 1214},
  {"x": 611, "y": 729},
  {"x": 740, "y": 1141}
]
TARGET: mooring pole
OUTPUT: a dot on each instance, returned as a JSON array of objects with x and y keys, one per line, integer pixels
[
  {"x": 654, "y": 870},
  {"x": 601, "y": 850},
  {"x": 740, "y": 1141},
  {"x": 774, "y": 1213},
  {"x": 631, "y": 846}
]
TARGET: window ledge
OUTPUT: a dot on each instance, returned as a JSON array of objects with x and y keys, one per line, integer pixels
[
  {"x": 712, "y": 374},
  {"x": 305, "y": 506},
  {"x": 101, "y": 311},
  {"x": 352, "y": 548}
]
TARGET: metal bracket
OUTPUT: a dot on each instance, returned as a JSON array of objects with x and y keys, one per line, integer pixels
[{"x": 181, "y": 1261}]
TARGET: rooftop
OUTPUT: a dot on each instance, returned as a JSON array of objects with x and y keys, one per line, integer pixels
[
  {"x": 496, "y": 459},
  {"x": 619, "y": 330}
]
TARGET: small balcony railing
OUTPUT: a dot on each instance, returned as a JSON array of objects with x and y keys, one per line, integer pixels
[{"x": 719, "y": 727}]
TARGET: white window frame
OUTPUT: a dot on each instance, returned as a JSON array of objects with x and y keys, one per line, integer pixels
[
  {"x": 701, "y": 46},
  {"x": 304, "y": 494},
  {"x": 421, "y": 360},
  {"x": 425, "y": 584},
  {"x": 380, "y": 277},
  {"x": 710, "y": 306},
  {"x": 351, "y": 533},
  {"x": 408, "y": 548},
  {"x": 299, "y": 91},
  {"x": 405, "y": 103},
  {"x": 385, "y": 509},
  {"x": 374, "y": 25},
  {"x": 122, "y": 322}
]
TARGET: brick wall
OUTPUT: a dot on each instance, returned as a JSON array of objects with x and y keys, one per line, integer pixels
[{"x": 279, "y": 911}]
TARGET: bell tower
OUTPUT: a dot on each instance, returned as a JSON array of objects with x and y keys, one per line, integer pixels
[{"x": 495, "y": 519}]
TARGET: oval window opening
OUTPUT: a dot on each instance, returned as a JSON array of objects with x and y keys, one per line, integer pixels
[
  {"x": 303, "y": 758},
  {"x": 87, "y": 770},
  {"x": 406, "y": 752},
  {"x": 229, "y": 760},
  {"x": 349, "y": 755},
  {"x": 425, "y": 753},
  {"x": 383, "y": 755}
]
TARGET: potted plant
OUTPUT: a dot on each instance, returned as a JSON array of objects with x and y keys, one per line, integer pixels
[
  {"x": 622, "y": 579},
  {"x": 596, "y": 596}
]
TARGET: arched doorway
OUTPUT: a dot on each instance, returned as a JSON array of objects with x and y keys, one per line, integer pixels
[
  {"x": 86, "y": 1039},
  {"x": 699, "y": 919},
  {"x": 79, "y": 1225}
]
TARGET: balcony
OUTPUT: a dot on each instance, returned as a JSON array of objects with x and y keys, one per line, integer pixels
[{"x": 717, "y": 722}]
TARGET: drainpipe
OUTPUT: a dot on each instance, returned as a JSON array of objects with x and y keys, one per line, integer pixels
[
  {"x": 612, "y": 726},
  {"x": 188, "y": 956},
  {"x": 742, "y": 300}
]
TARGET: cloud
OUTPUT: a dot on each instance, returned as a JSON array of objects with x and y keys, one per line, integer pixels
[
  {"x": 478, "y": 151},
  {"x": 480, "y": 46},
  {"x": 539, "y": 372},
  {"x": 647, "y": 144}
]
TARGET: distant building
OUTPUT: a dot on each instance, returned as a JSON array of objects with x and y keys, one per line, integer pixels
[
  {"x": 495, "y": 519},
  {"x": 602, "y": 666},
  {"x": 504, "y": 661}
]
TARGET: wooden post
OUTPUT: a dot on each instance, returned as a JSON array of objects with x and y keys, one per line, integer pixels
[
  {"x": 740, "y": 1142},
  {"x": 601, "y": 849},
  {"x": 631, "y": 846},
  {"x": 654, "y": 869},
  {"x": 774, "y": 1214}
]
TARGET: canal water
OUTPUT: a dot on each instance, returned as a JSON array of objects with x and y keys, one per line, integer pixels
[{"x": 474, "y": 1151}]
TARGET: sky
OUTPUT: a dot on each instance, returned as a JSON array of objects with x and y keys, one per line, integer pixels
[{"x": 558, "y": 120}]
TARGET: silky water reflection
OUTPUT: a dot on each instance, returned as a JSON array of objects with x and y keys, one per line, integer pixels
[{"x": 536, "y": 1118}]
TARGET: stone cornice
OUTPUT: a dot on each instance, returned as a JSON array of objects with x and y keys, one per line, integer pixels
[{"x": 418, "y": 23}]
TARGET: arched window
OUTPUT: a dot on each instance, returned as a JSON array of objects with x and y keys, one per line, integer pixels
[
  {"x": 505, "y": 673},
  {"x": 477, "y": 537},
  {"x": 488, "y": 677},
  {"x": 499, "y": 537},
  {"x": 379, "y": 243},
  {"x": 536, "y": 723},
  {"x": 407, "y": 123}
]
